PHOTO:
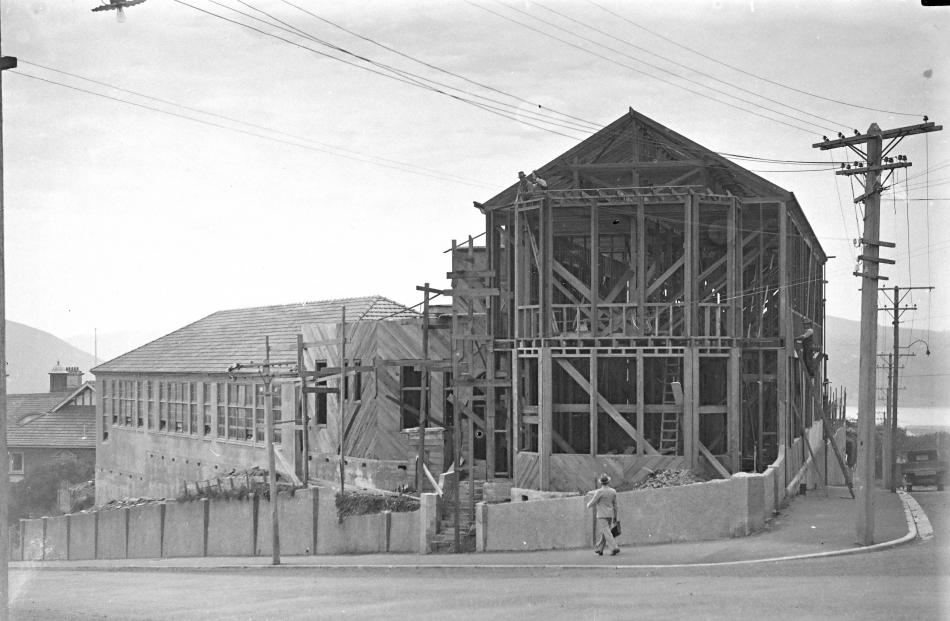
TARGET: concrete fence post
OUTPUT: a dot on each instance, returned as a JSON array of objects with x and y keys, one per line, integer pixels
[
  {"x": 315, "y": 512},
  {"x": 428, "y": 518},
  {"x": 481, "y": 527}
]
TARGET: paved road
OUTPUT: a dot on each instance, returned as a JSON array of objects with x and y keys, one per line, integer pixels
[{"x": 908, "y": 582}]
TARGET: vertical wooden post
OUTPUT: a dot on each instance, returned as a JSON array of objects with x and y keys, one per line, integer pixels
[
  {"x": 593, "y": 401},
  {"x": 641, "y": 292},
  {"x": 515, "y": 406},
  {"x": 690, "y": 258},
  {"x": 594, "y": 267},
  {"x": 781, "y": 371},
  {"x": 271, "y": 461},
  {"x": 890, "y": 432},
  {"x": 734, "y": 408},
  {"x": 424, "y": 414},
  {"x": 641, "y": 450},
  {"x": 342, "y": 395},
  {"x": 886, "y": 438},
  {"x": 7, "y": 63},
  {"x": 734, "y": 270},
  {"x": 545, "y": 413},
  {"x": 304, "y": 416},
  {"x": 867, "y": 372},
  {"x": 690, "y": 408},
  {"x": 547, "y": 265}
]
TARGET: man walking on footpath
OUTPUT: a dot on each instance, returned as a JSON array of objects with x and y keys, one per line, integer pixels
[{"x": 605, "y": 510}]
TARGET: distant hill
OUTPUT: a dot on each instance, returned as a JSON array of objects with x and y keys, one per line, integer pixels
[
  {"x": 32, "y": 353},
  {"x": 921, "y": 378}
]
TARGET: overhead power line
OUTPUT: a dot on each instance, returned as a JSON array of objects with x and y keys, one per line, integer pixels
[
  {"x": 743, "y": 71},
  {"x": 655, "y": 77},
  {"x": 693, "y": 69},
  {"x": 436, "y": 67},
  {"x": 314, "y": 146},
  {"x": 378, "y": 68}
]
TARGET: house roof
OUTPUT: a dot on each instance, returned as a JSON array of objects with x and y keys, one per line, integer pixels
[
  {"x": 212, "y": 344},
  {"x": 44, "y": 420}
]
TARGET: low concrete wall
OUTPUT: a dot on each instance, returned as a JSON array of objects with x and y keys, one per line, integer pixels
[
  {"x": 538, "y": 525},
  {"x": 231, "y": 527},
  {"x": 56, "y": 545},
  {"x": 146, "y": 525},
  {"x": 404, "y": 532},
  {"x": 31, "y": 539},
  {"x": 112, "y": 538},
  {"x": 295, "y": 521},
  {"x": 713, "y": 510},
  {"x": 82, "y": 536},
  {"x": 358, "y": 534},
  {"x": 222, "y": 527},
  {"x": 186, "y": 528}
]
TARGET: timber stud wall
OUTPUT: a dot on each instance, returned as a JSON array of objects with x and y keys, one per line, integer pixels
[{"x": 650, "y": 327}]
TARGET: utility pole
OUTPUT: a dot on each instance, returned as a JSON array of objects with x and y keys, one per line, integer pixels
[
  {"x": 267, "y": 375},
  {"x": 6, "y": 62},
  {"x": 888, "y": 440},
  {"x": 426, "y": 381},
  {"x": 871, "y": 165},
  {"x": 897, "y": 298},
  {"x": 271, "y": 460}
]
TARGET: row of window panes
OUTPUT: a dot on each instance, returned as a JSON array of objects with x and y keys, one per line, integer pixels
[{"x": 174, "y": 406}]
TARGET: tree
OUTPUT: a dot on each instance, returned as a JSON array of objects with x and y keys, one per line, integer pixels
[{"x": 35, "y": 494}]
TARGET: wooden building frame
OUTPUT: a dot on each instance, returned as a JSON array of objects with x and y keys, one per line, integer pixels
[{"x": 640, "y": 312}]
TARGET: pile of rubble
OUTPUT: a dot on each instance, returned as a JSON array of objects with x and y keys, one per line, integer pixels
[
  {"x": 123, "y": 503},
  {"x": 668, "y": 478}
]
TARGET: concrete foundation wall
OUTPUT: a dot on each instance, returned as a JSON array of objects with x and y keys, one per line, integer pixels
[
  {"x": 31, "y": 538},
  {"x": 231, "y": 527},
  {"x": 146, "y": 525},
  {"x": 56, "y": 547},
  {"x": 152, "y": 465},
  {"x": 365, "y": 473},
  {"x": 112, "y": 534},
  {"x": 186, "y": 528},
  {"x": 295, "y": 520},
  {"x": 82, "y": 536}
]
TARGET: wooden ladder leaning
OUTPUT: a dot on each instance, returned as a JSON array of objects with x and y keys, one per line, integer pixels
[{"x": 669, "y": 420}]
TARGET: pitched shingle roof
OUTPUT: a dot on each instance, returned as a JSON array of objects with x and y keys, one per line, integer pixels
[
  {"x": 31, "y": 423},
  {"x": 212, "y": 344}
]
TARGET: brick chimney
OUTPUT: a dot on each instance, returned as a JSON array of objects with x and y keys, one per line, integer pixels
[{"x": 63, "y": 379}]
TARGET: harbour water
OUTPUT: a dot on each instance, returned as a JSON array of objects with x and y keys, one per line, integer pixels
[{"x": 912, "y": 417}]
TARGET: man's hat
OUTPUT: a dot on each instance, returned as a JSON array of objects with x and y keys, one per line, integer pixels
[{"x": 604, "y": 478}]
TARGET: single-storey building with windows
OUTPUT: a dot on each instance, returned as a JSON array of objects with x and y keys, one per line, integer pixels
[{"x": 178, "y": 410}]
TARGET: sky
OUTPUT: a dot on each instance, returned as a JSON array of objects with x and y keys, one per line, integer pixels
[{"x": 308, "y": 177}]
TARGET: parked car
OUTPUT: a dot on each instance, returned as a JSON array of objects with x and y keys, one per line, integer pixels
[{"x": 923, "y": 467}]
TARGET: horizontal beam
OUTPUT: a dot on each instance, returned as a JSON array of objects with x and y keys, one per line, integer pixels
[
  {"x": 622, "y": 166},
  {"x": 867, "y": 169}
]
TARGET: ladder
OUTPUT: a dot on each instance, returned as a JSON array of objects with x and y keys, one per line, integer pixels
[{"x": 670, "y": 420}]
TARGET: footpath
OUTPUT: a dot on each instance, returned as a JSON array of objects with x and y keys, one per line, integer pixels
[{"x": 821, "y": 523}]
